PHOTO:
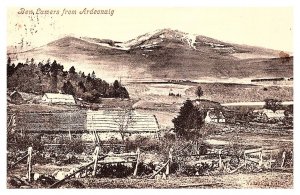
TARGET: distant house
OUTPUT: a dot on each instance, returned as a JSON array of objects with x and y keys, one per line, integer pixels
[
  {"x": 16, "y": 97},
  {"x": 266, "y": 114},
  {"x": 214, "y": 116},
  {"x": 57, "y": 98},
  {"x": 106, "y": 124}
]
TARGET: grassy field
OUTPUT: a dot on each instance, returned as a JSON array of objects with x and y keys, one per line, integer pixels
[{"x": 220, "y": 92}]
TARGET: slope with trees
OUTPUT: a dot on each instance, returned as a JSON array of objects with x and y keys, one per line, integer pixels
[{"x": 39, "y": 78}]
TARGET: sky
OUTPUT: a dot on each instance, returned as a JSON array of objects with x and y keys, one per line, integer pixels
[{"x": 265, "y": 27}]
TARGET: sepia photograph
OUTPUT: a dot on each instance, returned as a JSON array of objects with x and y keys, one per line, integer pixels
[{"x": 149, "y": 97}]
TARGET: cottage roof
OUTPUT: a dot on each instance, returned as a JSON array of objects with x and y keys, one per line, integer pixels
[
  {"x": 215, "y": 114},
  {"x": 110, "y": 120},
  {"x": 270, "y": 114},
  {"x": 14, "y": 93},
  {"x": 59, "y": 96}
]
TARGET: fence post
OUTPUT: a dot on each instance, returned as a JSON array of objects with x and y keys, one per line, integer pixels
[
  {"x": 95, "y": 158},
  {"x": 70, "y": 136},
  {"x": 137, "y": 161},
  {"x": 245, "y": 162},
  {"x": 29, "y": 164},
  {"x": 260, "y": 158},
  {"x": 283, "y": 159},
  {"x": 169, "y": 164},
  {"x": 220, "y": 159}
]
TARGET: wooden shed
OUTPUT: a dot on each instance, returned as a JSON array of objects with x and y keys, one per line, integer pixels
[{"x": 58, "y": 98}]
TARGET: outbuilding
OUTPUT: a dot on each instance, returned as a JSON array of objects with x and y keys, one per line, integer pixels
[
  {"x": 16, "y": 98},
  {"x": 58, "y": 98}
]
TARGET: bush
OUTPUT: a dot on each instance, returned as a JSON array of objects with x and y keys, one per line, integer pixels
[
  {"x": 146, "y": 143},
  {"x": 20, "y": 142},
  {"x": 72, "y": 146}
]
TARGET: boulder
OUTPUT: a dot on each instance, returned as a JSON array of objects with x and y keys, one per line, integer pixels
[
  {"x": 36, "y": 176},
  {"x": 60, "y": 175}
]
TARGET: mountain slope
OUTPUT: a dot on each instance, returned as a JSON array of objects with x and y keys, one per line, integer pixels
[{"x": 165, "y": 54}]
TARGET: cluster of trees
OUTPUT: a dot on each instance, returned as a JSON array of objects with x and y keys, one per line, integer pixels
[
  {"x": 273, "y": 104},
  {"x": 51, "y": 77},
  {"x": 175, "y": 95}
]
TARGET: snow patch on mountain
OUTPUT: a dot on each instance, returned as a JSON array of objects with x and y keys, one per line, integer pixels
[{"x": 191, "y": 39}]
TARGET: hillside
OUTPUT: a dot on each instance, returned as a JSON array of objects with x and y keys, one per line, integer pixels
[
  {"x": 165, "y": 54},
  {"x": 51, "y": 77}
]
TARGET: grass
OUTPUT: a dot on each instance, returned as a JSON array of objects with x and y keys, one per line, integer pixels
[{"x": 226, "y": 93}]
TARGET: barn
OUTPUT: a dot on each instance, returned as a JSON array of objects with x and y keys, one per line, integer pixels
[
  {"x": 58, "y": 98},
  {"x": 109, "y": 124}
]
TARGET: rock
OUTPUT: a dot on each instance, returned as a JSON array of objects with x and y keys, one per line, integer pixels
[
  {"x": 55, "y": 173},
  {"x": 46, "y": 179},
  {"x": 36, "y": 176},
  {"x": 60, "y": 175},
  {"x": 25, "y": 187},
  {"x": 69, "y": 156},
  {"x": 84, "y": 174},
  {"x": 158, "y": 177},
  {"x": 77, "y": 175}
]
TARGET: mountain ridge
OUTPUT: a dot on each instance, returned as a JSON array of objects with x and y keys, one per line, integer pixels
[{"x": 167, "y": 53}]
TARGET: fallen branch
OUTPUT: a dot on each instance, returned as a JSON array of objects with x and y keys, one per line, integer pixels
[
  {"x": 160, "y": 169},
  {"x": 13, "y": 165},
  {"x": 197, "y": 185},
  {"x": 233, "y": 171},
  {"x": 56, "y": 184}
]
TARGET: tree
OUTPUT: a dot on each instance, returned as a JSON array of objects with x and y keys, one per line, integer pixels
[
  {"x": 68, "y": 88},
  {"x": 122, "y": 93},
  {"x": 10, "y": 67},
  {"x": 93, "y": 76},
  {"x": 273, "y": 104},
  {"x": 8, "y": 61},
  {"x": 124, "y": 118},
  {"x": 72, "y": 70},
  {"x": 32, "y": 62},
  {"x": 116, "y": 84},
  {"x": 189, "y": 121},
  {"x": 199, "y": 92},
  {"x": 88, "y": 78},
  {"x": 81, "y": 86}
]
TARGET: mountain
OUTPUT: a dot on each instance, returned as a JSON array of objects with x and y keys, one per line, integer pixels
[{"x": 165, "y": 54}]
